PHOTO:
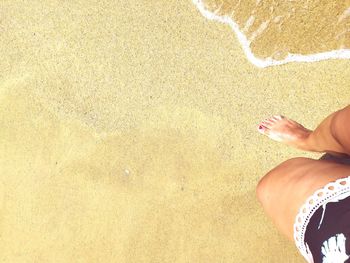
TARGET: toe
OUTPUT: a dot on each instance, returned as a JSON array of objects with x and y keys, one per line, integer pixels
[
  {"x": 268, "y": 123},
  {"x": 263, "y": 129},
  {"x": 273, "y": 120},
  {"x": 277, "y": 117}
]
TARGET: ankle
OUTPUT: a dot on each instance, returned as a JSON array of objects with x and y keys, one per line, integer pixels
[{"x": 307, "y": 143}]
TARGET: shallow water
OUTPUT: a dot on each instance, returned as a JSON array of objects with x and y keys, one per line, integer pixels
[{"x": 276, "y": 32}]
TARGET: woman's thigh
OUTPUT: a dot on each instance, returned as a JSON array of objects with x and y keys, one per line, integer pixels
[{"x": 284, "y": 189}]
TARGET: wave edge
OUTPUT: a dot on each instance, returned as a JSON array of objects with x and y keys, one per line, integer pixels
[{"x": 291, "y": 57}]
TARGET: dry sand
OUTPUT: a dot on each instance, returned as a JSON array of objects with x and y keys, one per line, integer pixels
[{"x": 128, "y": 134}]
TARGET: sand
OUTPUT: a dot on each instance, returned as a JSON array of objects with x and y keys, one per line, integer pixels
[{"x": 129, "y": 134}]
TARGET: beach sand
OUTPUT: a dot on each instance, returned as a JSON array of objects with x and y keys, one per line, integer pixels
[{"x": 129, "y": 134}]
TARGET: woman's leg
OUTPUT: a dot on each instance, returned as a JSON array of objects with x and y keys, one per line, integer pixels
[{"x": 285, "y": 188}]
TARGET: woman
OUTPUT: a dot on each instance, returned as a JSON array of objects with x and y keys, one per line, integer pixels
[{"x": 307, "y": 199}]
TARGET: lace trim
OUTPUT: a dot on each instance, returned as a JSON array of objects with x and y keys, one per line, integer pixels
[{"x": 332, "y": 192}]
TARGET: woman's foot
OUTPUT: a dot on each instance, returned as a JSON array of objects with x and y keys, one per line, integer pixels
[{"x": 282, "y": 129}]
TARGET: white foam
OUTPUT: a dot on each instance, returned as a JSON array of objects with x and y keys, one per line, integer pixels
[{"x": 334, "y": 54}]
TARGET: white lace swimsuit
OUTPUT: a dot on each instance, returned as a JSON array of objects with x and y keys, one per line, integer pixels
[{"x": 332, "y": 192}]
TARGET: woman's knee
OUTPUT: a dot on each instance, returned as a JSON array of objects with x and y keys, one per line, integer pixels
[
  {"x": 339, "y": 128},
  {"x": 277, "y": 177}
]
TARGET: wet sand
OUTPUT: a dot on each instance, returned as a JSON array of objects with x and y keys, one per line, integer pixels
[{"x": 129, "y": 134}]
